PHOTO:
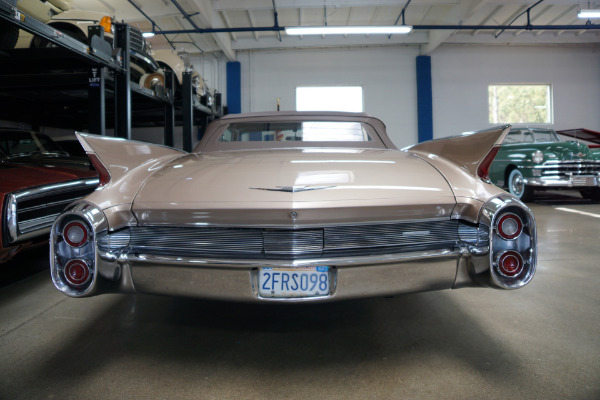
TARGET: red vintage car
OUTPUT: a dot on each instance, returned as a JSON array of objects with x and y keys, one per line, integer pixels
[{"x": 37, "y": 181}]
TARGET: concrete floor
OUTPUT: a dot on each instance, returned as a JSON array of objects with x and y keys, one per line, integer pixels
[{"x": 540, "y": 342}]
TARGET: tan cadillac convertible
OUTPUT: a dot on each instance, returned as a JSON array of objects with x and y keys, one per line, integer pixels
[{"x": 293, "y": 206}]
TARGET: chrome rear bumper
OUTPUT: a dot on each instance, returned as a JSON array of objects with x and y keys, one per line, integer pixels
[{"x": 381, "y": 275}]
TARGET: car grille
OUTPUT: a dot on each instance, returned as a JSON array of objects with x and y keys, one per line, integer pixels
[
  {"x": 294, "y": 243},
  {"x": 136, "y": 40},
  {"x": 565, "y": 169},
  {"x": 30, "y": 213}
]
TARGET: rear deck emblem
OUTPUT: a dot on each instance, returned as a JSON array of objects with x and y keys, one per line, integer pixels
[{"x": 293, "y": 189}]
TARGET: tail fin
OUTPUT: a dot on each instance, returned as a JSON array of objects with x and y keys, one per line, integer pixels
[
  {"x": 474, "y": 152},
  {"x": 114, "y": 157}
]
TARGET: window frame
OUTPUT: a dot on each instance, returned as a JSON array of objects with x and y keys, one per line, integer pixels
[{"x": 549, "y": 119}]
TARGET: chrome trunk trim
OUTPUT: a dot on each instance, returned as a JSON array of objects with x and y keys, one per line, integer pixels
[{"x": 267, "y": 243}]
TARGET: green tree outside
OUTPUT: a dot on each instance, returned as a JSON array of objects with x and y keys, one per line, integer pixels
[{"x": 519, "y": 104}]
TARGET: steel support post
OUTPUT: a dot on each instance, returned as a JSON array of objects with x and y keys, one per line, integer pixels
[
  {"x": 122, "y": 84},
  {"x": 169, "y": 109},
  {"x": 187, "y": 110},
  {"x": 96, "y": 91}
]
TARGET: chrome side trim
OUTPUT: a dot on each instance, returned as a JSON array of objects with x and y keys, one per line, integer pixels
[
  {"x": 42, "y": 190},
  {"x": 21, "y": 229}
]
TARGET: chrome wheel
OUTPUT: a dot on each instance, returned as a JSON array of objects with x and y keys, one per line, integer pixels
[
  {"x": 516, "y": 183},
  {"x": 517, "y": 186}
]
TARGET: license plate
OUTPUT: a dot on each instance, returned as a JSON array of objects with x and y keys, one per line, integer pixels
[{"x": 294, "y": 282}]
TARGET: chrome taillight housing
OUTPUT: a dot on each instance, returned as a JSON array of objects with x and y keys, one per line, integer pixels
[
  {"x": 73, "y": 254},
  {"x": 513, "y": 243}
]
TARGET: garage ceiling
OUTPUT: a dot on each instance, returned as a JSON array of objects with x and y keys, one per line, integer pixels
[{"x": 550, "y": 22}]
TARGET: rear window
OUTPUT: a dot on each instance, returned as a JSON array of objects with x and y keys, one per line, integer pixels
[
  {"x": 302, "y": 131},
  {"x": 543, "y": 135}
]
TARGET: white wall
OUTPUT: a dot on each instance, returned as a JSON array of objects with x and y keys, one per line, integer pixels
[
  {"x": 460, "y": 77},
  {"x": 212, "y": 67},
  {"x": 387, "y": 75}
]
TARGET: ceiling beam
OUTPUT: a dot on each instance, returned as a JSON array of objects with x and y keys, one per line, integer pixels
[
  {"x": 229, "y": 5},
  {"x": 417, "y": 38},
  {"x": 209, "y": 18},
  {"x": 488, "y": 18},
  {"x": 252, "y": 23},
  {"x": 291, "y": 42},
  {"x": 458, "y": 13},
  {"x": 507, "y": 21},
  {"x": 572, "y": 22},
  {"x": 534, "y": 18},
  {"x": 567, "y": 11},
  {"x": 228, "y": 24}
]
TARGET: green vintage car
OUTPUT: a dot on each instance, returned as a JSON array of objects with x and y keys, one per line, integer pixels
[{"x": 536, "y": 158}]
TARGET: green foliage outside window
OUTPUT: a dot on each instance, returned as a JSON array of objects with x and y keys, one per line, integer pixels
[{"x": 520, "y": 104}]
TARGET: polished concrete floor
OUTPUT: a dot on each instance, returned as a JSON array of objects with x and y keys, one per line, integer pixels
[{"x": 540, "y": 342}]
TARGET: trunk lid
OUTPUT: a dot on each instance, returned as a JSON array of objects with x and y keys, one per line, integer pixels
[{"x": 298, "y": 186}]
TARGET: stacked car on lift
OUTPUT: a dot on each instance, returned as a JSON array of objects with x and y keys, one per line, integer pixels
[{"x": 47, "y": 81}]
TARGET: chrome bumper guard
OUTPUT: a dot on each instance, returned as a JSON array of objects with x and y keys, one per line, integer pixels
[{"x": 571, "y": 181}]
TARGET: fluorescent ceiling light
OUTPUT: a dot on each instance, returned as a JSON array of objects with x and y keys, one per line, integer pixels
[
  {"x": 148, "y": 34},
  {"x": 589, "y": 14},
  {"x": 348, "y": 30}
]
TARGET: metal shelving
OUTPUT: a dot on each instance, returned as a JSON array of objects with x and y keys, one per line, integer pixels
[{"x": 87, "y": 86}]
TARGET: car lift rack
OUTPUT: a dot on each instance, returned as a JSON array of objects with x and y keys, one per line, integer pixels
[{"x": 69, "y": 86}]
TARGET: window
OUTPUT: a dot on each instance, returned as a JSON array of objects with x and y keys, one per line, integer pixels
[
  {"x": 329, "y": 98},
  {"x": 520, "y": 104},
  {"x": 305, "y": 131},
  {"x": 20, "y": 143},
  {"x": 531, "y": 135}
]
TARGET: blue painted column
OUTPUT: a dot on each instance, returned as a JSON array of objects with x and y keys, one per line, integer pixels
[
  {"x": 234, "y": 87},
  {"x": 424, "y": 99}
]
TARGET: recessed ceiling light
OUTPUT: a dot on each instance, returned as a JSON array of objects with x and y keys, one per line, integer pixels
[
  {"x": 348, "y": 30},
  {"x": 589, "y": 14}
]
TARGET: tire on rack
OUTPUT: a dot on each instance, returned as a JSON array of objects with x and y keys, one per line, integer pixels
[
  {"x": 39, "y": 42},
  {"x": 517, "y": 187},
  {"x": 9, "y": 34},
  {"x": 155, "y": 82}
]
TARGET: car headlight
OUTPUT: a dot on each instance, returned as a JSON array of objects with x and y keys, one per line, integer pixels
[{"x": 538, "y": 157}]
